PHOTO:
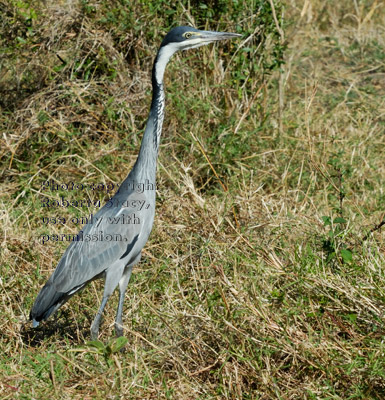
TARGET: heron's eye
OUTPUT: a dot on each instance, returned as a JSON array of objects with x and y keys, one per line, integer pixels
[{"x": 187, "y": 35}]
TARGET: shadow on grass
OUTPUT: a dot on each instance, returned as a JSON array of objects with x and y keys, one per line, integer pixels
[{"x": 63, "y": 325}]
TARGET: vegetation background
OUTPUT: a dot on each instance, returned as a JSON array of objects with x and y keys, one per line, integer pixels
[{"x": 264, "y": 274}]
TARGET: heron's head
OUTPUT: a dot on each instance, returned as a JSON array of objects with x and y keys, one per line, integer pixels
[{"x": 184, "y": 38}]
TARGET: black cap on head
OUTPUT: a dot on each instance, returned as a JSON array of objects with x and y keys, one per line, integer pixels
[{"x": 176, "y": 34}]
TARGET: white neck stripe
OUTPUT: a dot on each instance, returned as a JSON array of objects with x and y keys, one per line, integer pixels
[{"x": 164, "y": 56}]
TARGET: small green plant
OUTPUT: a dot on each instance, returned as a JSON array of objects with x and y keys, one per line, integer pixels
[
  {"x": 339, "y": 172},
  {"x": 107, "y": 350},
  {"x": 333, "y": 244}
]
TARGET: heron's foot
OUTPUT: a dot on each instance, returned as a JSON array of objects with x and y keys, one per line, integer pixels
[
  {"x": 118, "y": 329},
  {"x": 94, "y": 335},
  {"x": 119, "y": 333},
  {"x": 94, "y": 332}
]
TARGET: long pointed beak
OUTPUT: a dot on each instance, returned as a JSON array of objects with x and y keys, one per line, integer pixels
[
  {"x": 201, "y": 38},
  {"x": 209, "y": 36}
]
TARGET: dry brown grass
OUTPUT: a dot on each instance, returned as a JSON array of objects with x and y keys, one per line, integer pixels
[{"x": 243, "y": 293}]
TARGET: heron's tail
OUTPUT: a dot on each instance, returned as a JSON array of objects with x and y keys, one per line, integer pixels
[{"x": 47, "y": 302}]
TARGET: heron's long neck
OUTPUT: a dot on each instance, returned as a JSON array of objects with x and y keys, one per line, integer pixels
[{"x": 145, "y": 166}]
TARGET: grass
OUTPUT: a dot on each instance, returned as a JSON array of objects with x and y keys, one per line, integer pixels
[{"x": 264, "y": 274}]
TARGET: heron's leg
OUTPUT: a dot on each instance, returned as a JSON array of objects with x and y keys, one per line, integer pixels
[
  {"x": 96, "y": 323},
  {"x": 113, "y": 275},
  {"x": 122, "y": 291}
]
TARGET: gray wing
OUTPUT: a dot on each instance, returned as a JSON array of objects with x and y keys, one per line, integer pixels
[{"x": 116, "y": 233}]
